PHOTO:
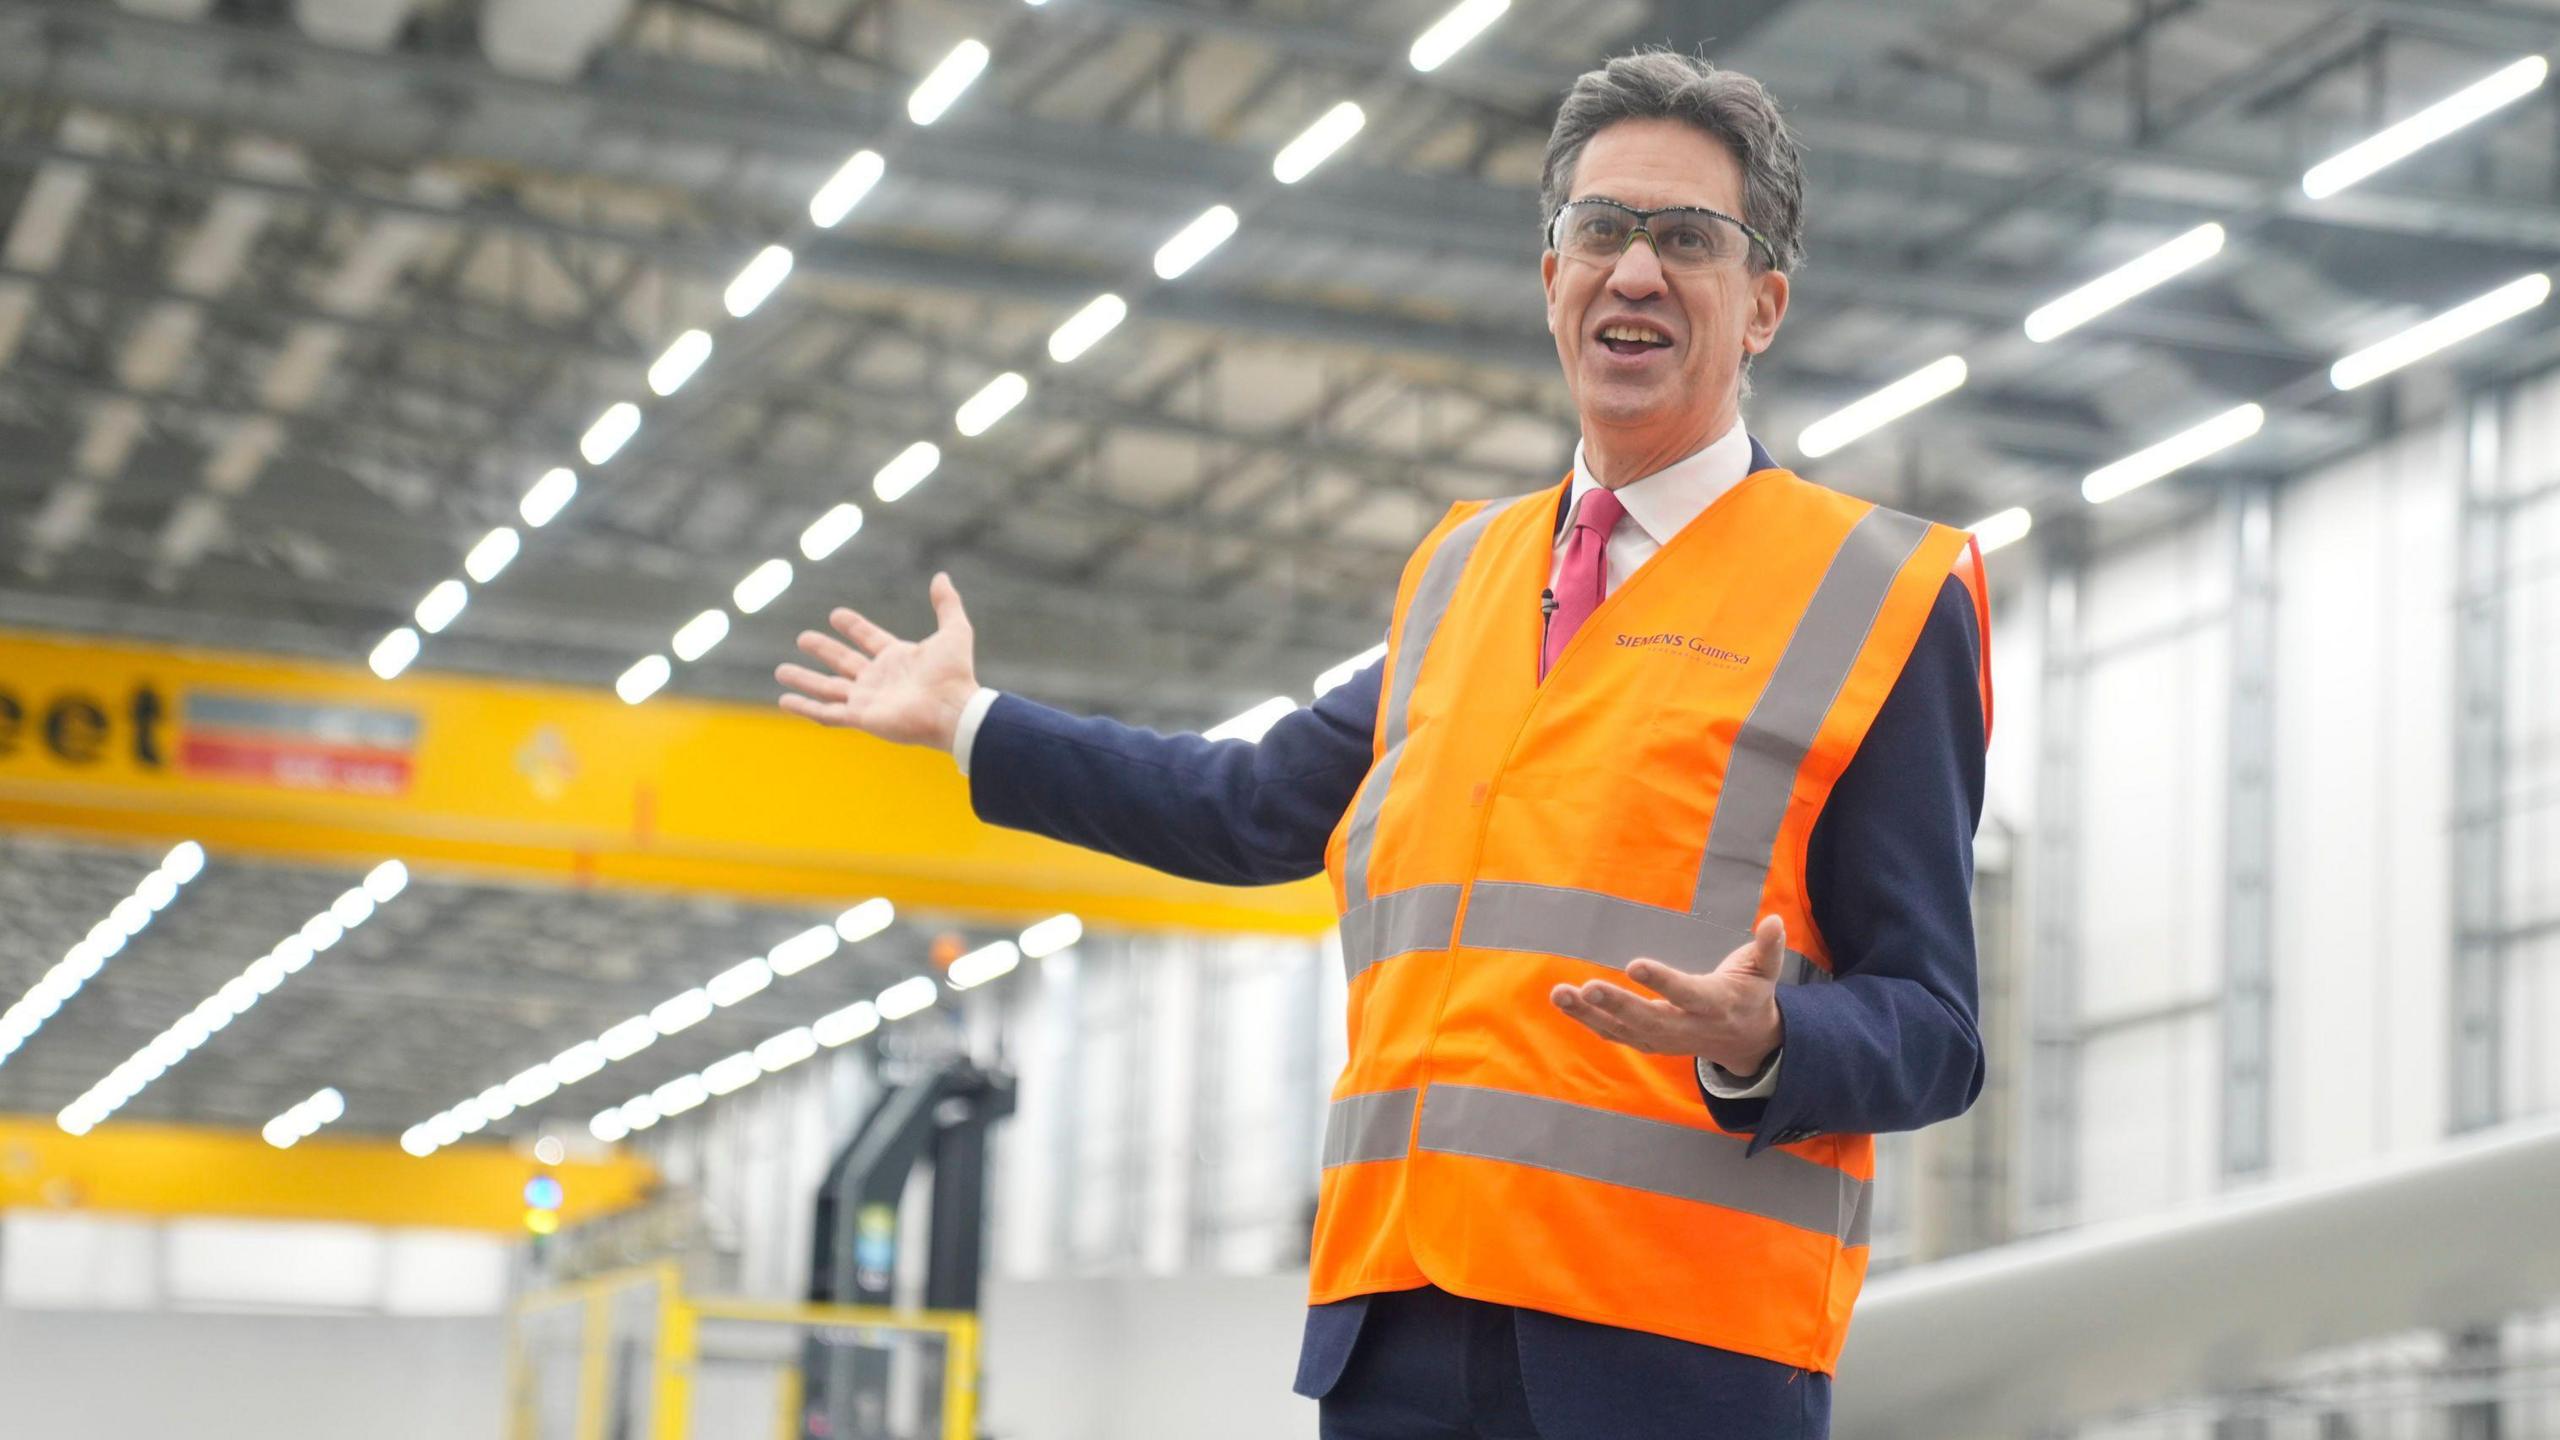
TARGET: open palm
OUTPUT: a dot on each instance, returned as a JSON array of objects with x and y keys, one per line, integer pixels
[{"x": 909, "y": 691}]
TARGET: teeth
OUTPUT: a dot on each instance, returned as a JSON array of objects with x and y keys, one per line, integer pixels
[{"x": 1630, "y": 332}]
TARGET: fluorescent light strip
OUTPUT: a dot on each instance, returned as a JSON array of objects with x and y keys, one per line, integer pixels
[
  {"x": 699, "y": 634},
  {"x": 393, "y": 652},
  {"x": 1452, "y": 31},
  {"x": 303, "y": 1121},
  {"x": 1862, "y": 418},
  {"x": 2060, "y": 317},
  {"x": 557, "y": 487},
  {"x": 934, "y": 96},
  {"x": 614, "y": 428},
  {"x": 827, "y": 534},
  {"x": 646, "y": 677},
  {"x": 983, "y": 964},
  {"x": 910, "y": 469},
  {"x": 441, "y": 605},
  {"x": 88, "y": 955},
  {"x": 762, "y": 276},
  {"x": 2369, "y": 157},
  {"x": 845, "y": 189},
  {"x": 994, "y": 400},
  {"x": 1192, "y": 243},
  {"x": 761, "y": 586},
  {"x": 489, "y": 559},
  {"x": 2006, "y": 528},
  {"x": 1048, "y": 937},
  {"x": 2451, "y": 328},
  {"x": 736, "y": 1072},
  {"x": 677, "y": 1013},
  {"x": 1084, "y": 329},
  {"x": 359, "y": 903},
  {"x": 683, "y": 356},
  {"x": 2173, "y": 454},
  {"x": 1317, "y": 143}
]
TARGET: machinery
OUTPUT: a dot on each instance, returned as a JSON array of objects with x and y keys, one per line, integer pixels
[{"x": 847, "y": 1372}]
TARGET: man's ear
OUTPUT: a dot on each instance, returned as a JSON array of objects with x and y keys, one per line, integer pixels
[
  {"x": 1769, "y": 292},
  {"x": 1547, "y": 279}
]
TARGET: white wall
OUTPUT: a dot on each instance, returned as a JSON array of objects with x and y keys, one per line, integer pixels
[
  {"x": 2364, "y": 744},
  {"x": 2366, "y": 565},
  {"x": 85, "y": 1375}
]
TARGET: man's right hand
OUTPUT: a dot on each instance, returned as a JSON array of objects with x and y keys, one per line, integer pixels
[{"x": 911, "y": 692}]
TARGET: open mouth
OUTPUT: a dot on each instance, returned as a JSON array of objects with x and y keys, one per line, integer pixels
[{"x": 1632, "y": 339}]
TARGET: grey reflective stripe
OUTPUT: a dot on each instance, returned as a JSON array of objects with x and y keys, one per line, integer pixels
[
  {"x": 1391, "y": 925},
  {"x": 1648, "y": 1155},
  {"x": 1376, "y": 1126},
  {"x": 1431, "y": 596},
  {"x": 1771, "y": 746},
  {"x": 1605, "y": 930}
]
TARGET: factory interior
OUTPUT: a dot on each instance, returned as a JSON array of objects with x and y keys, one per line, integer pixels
[{"x": 444, "y": 996}]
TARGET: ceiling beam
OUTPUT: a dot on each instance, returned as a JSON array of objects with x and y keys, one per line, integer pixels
[{"x": 654, "y": 119}]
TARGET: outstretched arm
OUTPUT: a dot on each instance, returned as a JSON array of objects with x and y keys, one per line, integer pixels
[{"x": 1237, "y": 812}]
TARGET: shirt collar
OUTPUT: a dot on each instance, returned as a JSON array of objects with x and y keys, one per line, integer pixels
[{"x": 1664, "y": 502}]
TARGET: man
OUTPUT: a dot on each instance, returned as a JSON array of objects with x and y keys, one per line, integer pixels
[{"x": 1655, "y": 900}]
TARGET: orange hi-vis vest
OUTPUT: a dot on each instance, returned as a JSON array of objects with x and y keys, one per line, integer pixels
[{"x": 1654, "y": 796}]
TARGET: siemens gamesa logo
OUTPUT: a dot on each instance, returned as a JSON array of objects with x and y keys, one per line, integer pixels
[{"x": 1694, "y": 646}]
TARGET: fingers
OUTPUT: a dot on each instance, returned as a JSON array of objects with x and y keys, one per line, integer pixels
[
  {"x": 810, "y": 683},
  {"x": 833, "y": 653},
  {"x": 1689, "y": 992},
  {"x": 1771, "y": 936},
  {"x": 818, "y": 710},
  {"x": 1763, "y": 956},
  {"x": 947, "y": 611},
  {"x": 850, "y": 624},
  {"x": 1625, "y": 1017}
]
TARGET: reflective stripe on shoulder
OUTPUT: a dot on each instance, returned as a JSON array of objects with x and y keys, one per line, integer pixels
[
  {"x": 1751, "y": 808},
  {"x": 1431, "y": 596},
  {"x": 1675, "y": 1160}
]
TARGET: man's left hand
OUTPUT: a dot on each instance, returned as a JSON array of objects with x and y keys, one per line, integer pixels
[{"x": 1728, "y": 1016}]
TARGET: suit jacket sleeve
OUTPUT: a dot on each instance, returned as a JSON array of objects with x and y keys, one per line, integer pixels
[
  {"x": 1234, "y": 812},
  {"x": 1893, "y": 1043}
]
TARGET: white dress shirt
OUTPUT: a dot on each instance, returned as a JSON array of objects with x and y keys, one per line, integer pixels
[{"x": 1659, "y": 506}]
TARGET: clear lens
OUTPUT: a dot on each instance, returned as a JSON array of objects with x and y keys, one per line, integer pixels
[{"x": 1597, "y": 232}]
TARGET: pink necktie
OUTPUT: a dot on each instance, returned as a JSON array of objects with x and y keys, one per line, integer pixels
[{"x": 1584, "y": 580}]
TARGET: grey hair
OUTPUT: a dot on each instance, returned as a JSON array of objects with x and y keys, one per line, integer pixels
[{"x": 1724, "y": 105}]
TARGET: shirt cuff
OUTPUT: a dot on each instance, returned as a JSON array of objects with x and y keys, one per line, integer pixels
[
  {"x": 964, "y": 735},
  {"x": 1725, "y": 1085}
]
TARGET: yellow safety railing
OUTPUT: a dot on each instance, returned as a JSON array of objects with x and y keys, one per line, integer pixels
[{"x": 672, "y": 1325}]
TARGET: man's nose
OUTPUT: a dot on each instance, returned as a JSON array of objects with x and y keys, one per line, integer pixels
[{"x": 1638, "y": 273}]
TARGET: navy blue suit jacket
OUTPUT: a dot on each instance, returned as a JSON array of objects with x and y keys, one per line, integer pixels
[{"x": 1889, "y": 873}]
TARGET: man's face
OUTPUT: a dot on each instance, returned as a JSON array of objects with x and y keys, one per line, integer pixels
[{"x": 1700, "y": 322}]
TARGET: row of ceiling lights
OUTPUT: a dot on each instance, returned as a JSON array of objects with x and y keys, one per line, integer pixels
[
  {"x": 105, "y": 940},
  {"x": 910, "y": 996},
  {"x": 2352, "y": 166},
  {"x": 762, "y": 275},
  {"x": 358, "y": 904},
  {"x": 621, "y": 1041}
]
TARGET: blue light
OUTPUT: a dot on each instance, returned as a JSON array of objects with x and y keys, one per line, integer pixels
[{"x": 544, "y": 1193}]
